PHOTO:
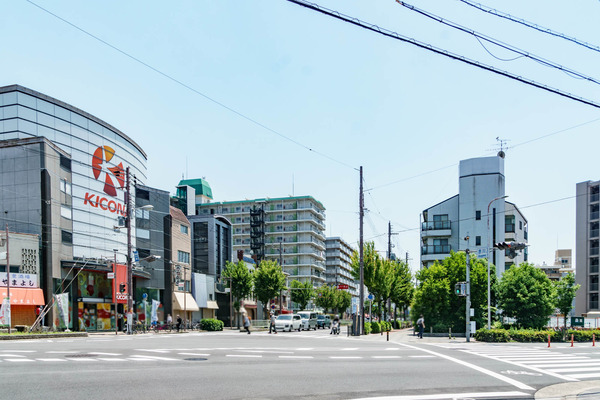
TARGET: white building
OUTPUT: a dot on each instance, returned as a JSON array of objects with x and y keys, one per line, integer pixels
[
  {"x": 447, "y": 225},
  {"x": 339, "y": 264}
]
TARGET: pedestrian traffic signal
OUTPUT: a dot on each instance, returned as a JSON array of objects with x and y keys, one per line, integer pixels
[
  {"x": 460, "y": 289},
  {"x": 122, "y": 288}
]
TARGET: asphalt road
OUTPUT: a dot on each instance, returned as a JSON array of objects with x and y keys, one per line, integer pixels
[{"x": 295, "y": 365}]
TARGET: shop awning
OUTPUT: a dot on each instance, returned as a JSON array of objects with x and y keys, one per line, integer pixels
[
  {"x": 24, "y": 297},
  {"x": 212, "y": 305},
  {"x": 185, "y": 301}
]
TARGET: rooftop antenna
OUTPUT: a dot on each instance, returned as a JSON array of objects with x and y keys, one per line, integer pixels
[{"x": 500, "y": 146}]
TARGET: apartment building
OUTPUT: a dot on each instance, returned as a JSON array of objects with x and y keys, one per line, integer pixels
[
  {"x": 587, "y": 247},
  {"x": 476, "y": 218},
  {"x": 338, "y": 262},
  {"x": 291, "y": 229}
]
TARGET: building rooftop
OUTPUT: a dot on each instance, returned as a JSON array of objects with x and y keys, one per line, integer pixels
[{"x": 200, "y": 186}]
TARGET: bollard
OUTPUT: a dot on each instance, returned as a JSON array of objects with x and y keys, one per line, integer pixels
[
  {"x": 548, "y": 340},
  {"x": 449, "y": 333},
  {"x": 593, "y": 340},
  {"x": 572, "y": 339},
  {"x": 388, "y": 336}
]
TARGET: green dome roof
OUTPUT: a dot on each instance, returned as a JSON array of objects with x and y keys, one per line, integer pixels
[{"x": 200, "y": 185}]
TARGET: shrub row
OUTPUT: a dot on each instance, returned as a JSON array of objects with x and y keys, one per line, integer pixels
[
  {"x": 532, "y": 335},
  {"x": 378, "y": 327},
  {"x": 211, "y": 324}
]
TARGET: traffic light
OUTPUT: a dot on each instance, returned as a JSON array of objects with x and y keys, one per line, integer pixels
[
  {"x": 122, "y": 287},
  {"x": 460, "y": 289},
  {"x": 510, "y": 248}
]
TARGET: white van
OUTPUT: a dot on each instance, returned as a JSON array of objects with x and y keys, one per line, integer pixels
[{"x": 309, "y": 320}]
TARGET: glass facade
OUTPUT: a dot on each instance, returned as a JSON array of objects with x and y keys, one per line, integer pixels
[{"x": 99, "y": 156}]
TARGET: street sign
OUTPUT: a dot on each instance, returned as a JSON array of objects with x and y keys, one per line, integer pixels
[
  {"x": 136, "y": 256},
  {"x": 110, "y": 275},
  {"x": 370, "y": 297},
  {"x": 144, "y": 295},
  {"x": 342, "y": 286},
  {"x": 272, "y": 306}
]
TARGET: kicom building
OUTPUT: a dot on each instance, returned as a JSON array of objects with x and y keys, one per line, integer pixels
[{"x": 62, "y": 178}]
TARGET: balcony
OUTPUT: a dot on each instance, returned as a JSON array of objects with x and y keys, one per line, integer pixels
[
  {"x": 436, "y": 228},
  {"x": 434, "y": 252},
  {"x": 594, "y": 197}
]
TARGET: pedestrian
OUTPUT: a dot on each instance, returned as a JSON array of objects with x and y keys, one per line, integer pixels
[
  {"x": 169, "y": 320},
  {"x": 247, "y": 323},
  {"x": 421, "y": 325},
  {"x": 272, "y": 324},
  {"x": 179, "y": 321}
]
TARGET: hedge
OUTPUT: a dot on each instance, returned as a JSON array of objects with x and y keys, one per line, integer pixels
[
  {"x": 367, "y": 328},
  {"x": 532, "y": 335},
  {"x": 211, "y": 324}
]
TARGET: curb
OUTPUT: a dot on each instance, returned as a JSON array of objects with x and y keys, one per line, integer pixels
[{"x": 43, "y": 336}]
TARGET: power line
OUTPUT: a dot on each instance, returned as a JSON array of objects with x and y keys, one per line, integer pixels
[
  {"x": 181, "y": 83},
  {"x": 498, "y": 43},
  {"x": 531, "y": 25},
  {"x": 426, "y": 46}
]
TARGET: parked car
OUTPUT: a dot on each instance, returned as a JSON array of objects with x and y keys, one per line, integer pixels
[
  {"x": 288, "y": 322},
  {"x": 323, "y": 321},
  {"x": 309, "y": 320}
]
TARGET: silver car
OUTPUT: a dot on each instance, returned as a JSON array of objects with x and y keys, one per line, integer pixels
[{"x": 288, "y": 322}]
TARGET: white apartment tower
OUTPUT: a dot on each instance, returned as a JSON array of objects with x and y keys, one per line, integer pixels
[
  {"x": 478, "y": 212},
  {"x": 339, "y": 264},
  {"x": 294, "y": 231}
]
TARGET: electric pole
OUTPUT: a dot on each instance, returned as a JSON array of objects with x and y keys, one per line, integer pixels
[
  {"x": 361, "y": 213},
  {"x": 468, "y": 289}
]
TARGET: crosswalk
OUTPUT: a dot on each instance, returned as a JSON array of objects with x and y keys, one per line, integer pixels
[
  {"x": 196, "y": 354},
  {"x": 561, "y": 363}
]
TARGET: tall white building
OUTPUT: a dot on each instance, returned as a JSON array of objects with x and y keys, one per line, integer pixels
[
  {"x": 587, "y": 247},
  {"x": 294, "y": 225},
  {"x": 339, "y": 264},
  {"x": 447, "y": 225}
]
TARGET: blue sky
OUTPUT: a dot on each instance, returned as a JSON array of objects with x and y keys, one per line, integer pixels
[{"x": 358, "y": 97}]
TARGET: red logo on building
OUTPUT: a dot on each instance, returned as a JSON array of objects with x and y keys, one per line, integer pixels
[{"x": 101, "y": 156}]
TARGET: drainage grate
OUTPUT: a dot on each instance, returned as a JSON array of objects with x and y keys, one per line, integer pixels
[
  {"x": 195, "y": 359},
  {"x": 80, "y": 355}
]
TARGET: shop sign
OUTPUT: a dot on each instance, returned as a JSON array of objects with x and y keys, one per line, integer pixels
[{"x": 19, "y": 280}]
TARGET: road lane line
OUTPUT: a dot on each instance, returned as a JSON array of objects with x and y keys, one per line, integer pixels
[
  {"x": 110, "y": 359},
  {"x": 18, "y": 360},
  {"x": 61, "y": 352},
  {"x": 195, "y": 354},
  {"x": 105, "y": 354},
  {"x": 421, "y": 356},
  {"x": 513, "y": 382},
  {"x": 154, "y": 357},
  {"x": 442, "y": 396},
  {"x": 52, "y": 359},
  {"x": 19, "y": 351},
  {"x": 244, "y": 355},
  {"x": 12, "y": 355},
  {"x": 585, "y": 376},
  {"x": 396, "y": 357},
  {"x": 576, "y": 369},
  {"x": 300, "y": 357},
  {"x": 344, "y": 357}
]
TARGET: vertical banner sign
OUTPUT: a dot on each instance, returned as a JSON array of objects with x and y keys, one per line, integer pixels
[
  {"x": 62, "y": 304},
  {"x": 120, "y": 278},
  {"x": 154, "y": 313},
  {"x": 5, "y": 312}
]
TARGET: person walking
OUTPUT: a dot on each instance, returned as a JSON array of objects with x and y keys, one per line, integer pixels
[
  {"x": 421, "y": 325},
  {"x": 169, "y": 320},
  {"x": 247, "y": 323},
  {"x": 179, "y": 321},
  {"x": 272, "y": 324}
]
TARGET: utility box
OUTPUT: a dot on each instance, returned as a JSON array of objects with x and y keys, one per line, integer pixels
[{"x": 577, "y": 321}]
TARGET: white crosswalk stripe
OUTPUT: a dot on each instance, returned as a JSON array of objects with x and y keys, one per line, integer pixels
[{"x": 560, "y": 364}]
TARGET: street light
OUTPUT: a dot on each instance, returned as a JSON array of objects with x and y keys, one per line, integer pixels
[{"x": 489, "y": 238}]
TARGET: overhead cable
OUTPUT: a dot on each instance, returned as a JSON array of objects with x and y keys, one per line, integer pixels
[
  {"x": 530, "y": 25},
  {"x": 426, "y": 46},
  {"x": 498, "y": 43}
]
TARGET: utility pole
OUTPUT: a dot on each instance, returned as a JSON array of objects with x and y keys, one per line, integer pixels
[
  {"x": 468, "y": 289},
  {"x": 129, "y": 267},
  {"x": 361, "y": 213},
  {"x": 281, "y": 264},
  {"x": 389, "y": 256},
  {"x": 8, "y": 280}
]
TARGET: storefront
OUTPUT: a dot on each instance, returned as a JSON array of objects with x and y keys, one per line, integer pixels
[
  {"x": 23, "y": 301},
  {"x": 95, "y": 309}
]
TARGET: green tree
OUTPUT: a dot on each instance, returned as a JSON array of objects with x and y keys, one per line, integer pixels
[
  {"x": 343, "y": 300},
  {"x": 403, "y": 288},
  {"x": 240, "y": 281},
  {"x": 432, "y": 296},
  {"x": 326, "y": 297},
  {"x": 269, "y": 281},
  {"x": 565, "y": 293},
  {"x": 526, "y": 293},
  {"x": 302, "y": 293}
]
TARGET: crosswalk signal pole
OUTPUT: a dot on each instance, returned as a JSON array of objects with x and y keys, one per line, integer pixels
[{"x": 468, "y": 290}]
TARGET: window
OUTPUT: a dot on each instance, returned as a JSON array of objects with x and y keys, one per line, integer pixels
[
  {"x": 477, "y": 240},
  {"x": 65, "y": 186},
  {"x": 65, "y": 163},
  {"x": 142, "y": 233},
  {"x": 478, "y": 215},
  {"x": 142, "y": 194},
  {"x": 65, "y": 212},
  {"x": 183, "y": 257},
  {"x": 520, "y": 225},
  {"x": 66, "y": 237},
  {"x": 509, "y": 224},
  {"x": 183, "y": 229},
  {"x": 143, "y": 253}
]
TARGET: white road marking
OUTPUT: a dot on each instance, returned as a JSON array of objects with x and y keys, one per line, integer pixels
[
  {"x": 105, "y": 354},
  {"x": 441, "y": 396},
  {"x": 305, "y": 348},
  {"x": 421, "y": 356},
  {"x": 344, "y": 357},
  {"x": 244, "y": 355},
  {"x": 52, "y": 359},
  {"x": 110, "y": 359},
  {"x": 386, "y": 357},
  {"x": 473, "y": 366},
  {"x": 584, "y": 376},
  {"x": 83, "y": 359},
  {"x": 18, "y": 360},
  {"x": 154, "y": 357},
  {"x": 195, "y": 354},
  {"x": 392, "y": 348},
  {"x": 300, "y": 357},
  {"x": 19, "y": 351},
  {"x": 11, "y": 355},
  {"x": 61, "y": 352},
  {"x": 350, "y": 348},
  {"x": 139, "y": 359},
  {"x": 155, "y": 350},
  {"x": 576, "y": 369},
  {"x": 268, "y": 351}
]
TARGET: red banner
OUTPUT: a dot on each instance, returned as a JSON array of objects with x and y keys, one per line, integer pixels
[{"x": 120, "y": 281}]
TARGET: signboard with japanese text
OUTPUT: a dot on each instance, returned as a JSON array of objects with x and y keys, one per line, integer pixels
[{"x": 19, "y": 280}]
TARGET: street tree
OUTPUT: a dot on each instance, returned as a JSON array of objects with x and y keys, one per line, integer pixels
[
  {"x": 343, "y": 300},
  {"x": 326, "y": 297},
  {"x": 403, "y": 288},
  {"x": 565, "y": 293},
  {"x": 526, "y": 293},
  {"x": 240, "y": 281},
  {"x": 302, "y": 293},
  {"x": 269, "y": 281},
  {"x": 432, "y": 296}
]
